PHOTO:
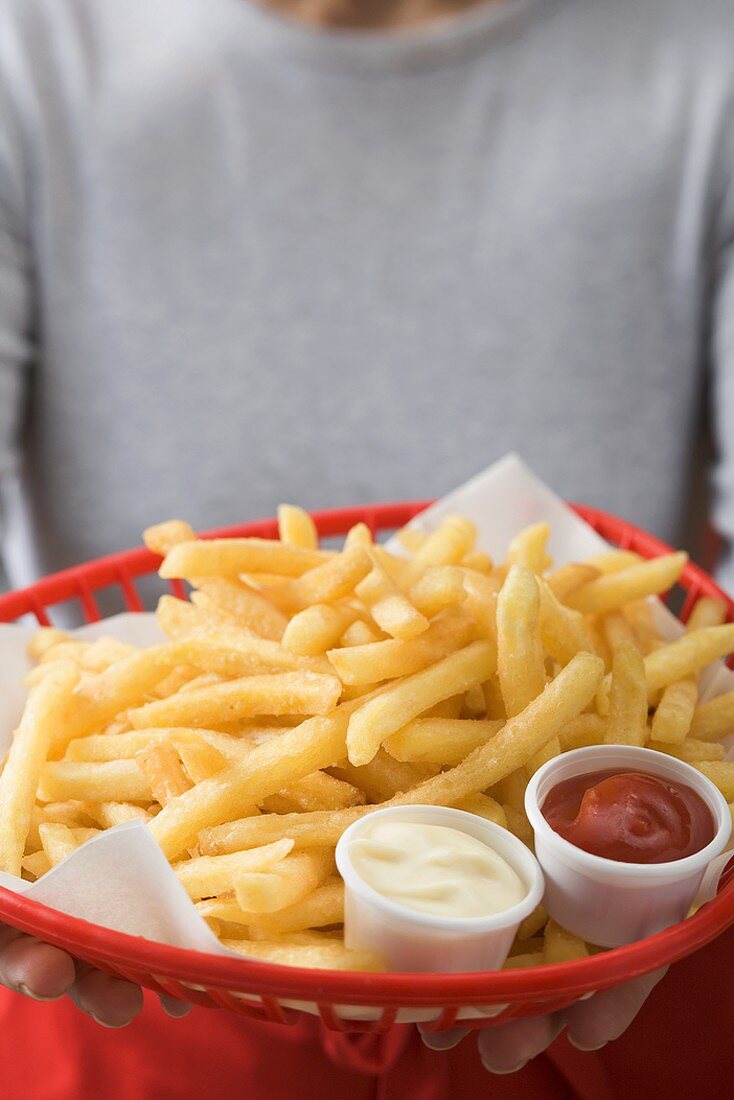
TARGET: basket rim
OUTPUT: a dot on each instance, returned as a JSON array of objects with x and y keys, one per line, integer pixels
[{"x": 258, "y": 978}]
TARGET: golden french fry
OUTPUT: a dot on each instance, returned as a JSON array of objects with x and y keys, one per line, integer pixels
[
  {"x": 161, "y": 766},
  {"x": 562, "y": 700},
  {"x": 528, "y": 548},
  {"x": 721, "y": 774},
  {"x": 44, "y": 639},
  {"x": 323, "y": 906},
  {"x": 707, "y": 611},
  {"x": 687, "y": 655},
  {"x": 284, "y": 883},
  {"x": 542, "y": 756},
  {"x": 404, "y": 700},
  {"x": 627, "y": 721},
  {"x": 587, "y": 729},
  {"x": 110, "y": 781},
  {"x": 442, "y": 741},
  {"x": 109, "y": 814},
  {"x": 484, "y": 806},
  {"x": 562, "y": 631},
  {"x": 377, "y": 661},
  {"x": 714, "y": 719},
  {"x": 207, "y": 876},
  {"x": 612, "y": 561},
  {"x": 317, "y": 628},
  {"x": 532, "y": 924},
  {"x": 231, "y": 557},
  {"x": 453, "y": 540},
  {"x": 296, "y": 528},
  {"x": 360, "y": 633},
  {"x": 639, "y": 613},
  {"x": 520, "y": 659},
  {"x": 199, "y": 758},
  {"x": 384, "y": 776},
  {"x": 610, "y": 592},
  {"x": 617, "y": 628},
  {"x": 332, "y": 955},
  {"x": 315, "y": 744},
  {"x": 359, "y": 535},
  {"x": 673, "y": 716},
  {"x": 36, "y": 864},
  {"x": 164, "y": 536},
  {"x": 46, "y": 708},
  {"x": 690, "y": 750},
  {"x": 562, "y": 946},
  {"x": 411, "y": 539},
  {"x": 58, "y": 842},
  {"x": 441, "y": 586},
  {"x": 390, "y": 608},
  {"x": 244, "y": 605},
  {"x": 277, "y": 693},
  {"x": 569, "y": 578},
  {"x": 333, "y": 580},
  {"x": 477, "y": 560}
]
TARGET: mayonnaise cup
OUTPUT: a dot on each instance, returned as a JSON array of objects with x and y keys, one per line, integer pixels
[
  {"x": 417, "y": 941},
  {"x": 604, "y": 901}
]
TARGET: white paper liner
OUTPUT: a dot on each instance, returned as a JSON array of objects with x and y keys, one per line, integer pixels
[{"x": 121, "y": 880}]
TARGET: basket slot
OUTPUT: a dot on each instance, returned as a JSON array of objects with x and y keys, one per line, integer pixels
[
  {"x": 178, "y": 589},
  {"x": 444, "y": 1022},
  {"x": 253, "y": 1010},
  {"x": 88, "y": 602},
  {"x": 40, "y": 612},
  {"x": 130, "y": 592},
  {"x": 329, "y": 1018}
]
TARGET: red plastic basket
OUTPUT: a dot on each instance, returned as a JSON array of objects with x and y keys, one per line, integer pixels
[{"x": 278, "y": 993}]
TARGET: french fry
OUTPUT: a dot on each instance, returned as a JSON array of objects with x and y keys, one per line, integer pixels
[
  {"x": 481, "y": 602},
  {"x": 542, "y": 756},
  {"x": 532, "y": 924},
  {"x": 161, "y": 766},
  {"x": 323, "y": 906},
  {"x": 244, "y": 605},
  {"x": 285, "y": 883},
  {"x": 707, "y": 611},
  {"x": 317, "y": 628},
  {"x": 320, "y": 829},
  {"x": 562, "y": 631},
  {"x": 721, "y": 774},
  {"x": 453, "y": 540},
  {"x": 109, "y": 814},
  {"x": 200, "y": 759},
  {"x": 36, "y": 864},
  {"x": 390, "y": 608},
  {"x": 58, "y": 842},
  {"x": 411, "y": 539},
  {"x": 528, "y": 548},
  {"x": 47, "y": 706},
  {"x": 384, "y": 776},
  {"x": 296, "y": 528},
  {"x": 519, "y": 825},
  {"x": 231, "y": 557},
  {"x": 330, "y": 956},
  {"x": 443, "y": 741},
  {"x": 441, "y": 586},
  {"x": 315, "y": 744},
  {"x": 587, "y": 729},
  {"x": 610, "y": 592},
  {"x": 617, "y": 628},
  {"x": 690, "y": 750},
  {"x": 562, "y": 700},
  {"x": 484, "y": 806},
  {"x": 627, "y": 721},
  {"x": 405, "y": 699},
  {"x": 687, "y": 654},
  {"x": 612, "y": 561},
  {"x": 568, "y": 579},
  {"x": 392, "y": 658},
  {"x": 111, "y": 781},
  {"x": 520, "y": 659},
  {"x": 321, "y": 791},
  {"x": 162, "y": 537},
  {"x": 671, "y": 722},
  {"x": 277, "y": 694},
  {"x": 231, "y": 652},
  {"x": 333, "y": 580},
  {"x": 477, "y": 560},
  {"x": 43, "y": 640},
  {"x": 207, "y": 876},
  {"x": 639, "y": 614},
  {"x": 561, "y": 945},
  {"x": 714, "y": 719}
]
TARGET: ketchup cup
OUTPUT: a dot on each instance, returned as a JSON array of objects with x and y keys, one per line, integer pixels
[
  {"x": 410, "y": 940},
  {"x": 604, "y": 901}
]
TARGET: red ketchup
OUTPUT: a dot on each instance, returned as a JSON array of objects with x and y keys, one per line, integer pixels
[{"x": 630, "y": 817}]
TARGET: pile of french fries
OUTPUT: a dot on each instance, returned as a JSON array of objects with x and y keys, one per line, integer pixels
[{"x": 300, "y": 688}]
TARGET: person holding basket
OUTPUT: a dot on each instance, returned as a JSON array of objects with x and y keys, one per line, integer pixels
[{"x": 340, "y": 250}]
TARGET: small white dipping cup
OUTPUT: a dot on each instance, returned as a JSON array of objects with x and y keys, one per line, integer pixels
[
  {"x": 604, "y": 901},
  {"x": 409, "y": 940}
]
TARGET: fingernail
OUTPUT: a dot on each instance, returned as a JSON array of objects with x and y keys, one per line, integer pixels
[
  {"x": 104, "y": 1023},
  {"x": 21, "y": 987},
  {"x": 504, "y": 1072},
  {"x": 585, "y": 1049}
]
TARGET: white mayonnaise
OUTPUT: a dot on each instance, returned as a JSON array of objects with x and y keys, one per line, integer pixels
[{"x": 435, "y": 869}]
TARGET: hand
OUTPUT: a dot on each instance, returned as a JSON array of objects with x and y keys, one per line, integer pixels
[
  {"x": 46, "y": 973},
  {"x": 591, "y": 1024}
]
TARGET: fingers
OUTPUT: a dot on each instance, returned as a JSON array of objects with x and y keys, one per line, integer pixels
[
  {"x": 109, "y": 1001},
  {"x": 593, "y": 1023},
  {"x": 441, "y": 1040},
  {"x": 174, "y": 1008},
  {"x": 36, "y": 969},
  {"x": 508, "y": 1047}
]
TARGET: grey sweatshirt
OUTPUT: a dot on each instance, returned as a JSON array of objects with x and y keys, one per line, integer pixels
[{"x": 244, "y": 261}]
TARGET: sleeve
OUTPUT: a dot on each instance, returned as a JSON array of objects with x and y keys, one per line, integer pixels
[
  {"x": 16, "y": 336},
  {"x": 722, "y": 392}
]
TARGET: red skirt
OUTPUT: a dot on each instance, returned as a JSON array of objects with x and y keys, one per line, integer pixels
[{"x": 679, "y": 1047}]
